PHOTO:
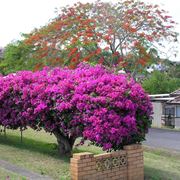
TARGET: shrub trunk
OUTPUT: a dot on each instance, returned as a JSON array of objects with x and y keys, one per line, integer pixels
[{"x": 65, "y": 144}]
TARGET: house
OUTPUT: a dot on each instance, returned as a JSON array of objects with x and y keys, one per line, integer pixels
[
  {"x": 166, "y": 108},
  {"x": 174, "y": 106}
]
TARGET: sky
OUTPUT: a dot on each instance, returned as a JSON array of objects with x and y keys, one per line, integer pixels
[{"x": 22, "y": 16}]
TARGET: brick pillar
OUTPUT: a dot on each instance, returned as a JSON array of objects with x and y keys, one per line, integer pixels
[
  {"x": 82, "y": 166},
  {"x": 126, "y": 164},
  {"x": 135, "y": 162}
]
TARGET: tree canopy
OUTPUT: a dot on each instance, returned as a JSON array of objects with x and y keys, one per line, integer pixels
[
  {"x": 110, "y": 110},
  {"x": 17, "y": 56},
  {"x": 122, "y": 35},
  {"x": 161, "y": 82}
]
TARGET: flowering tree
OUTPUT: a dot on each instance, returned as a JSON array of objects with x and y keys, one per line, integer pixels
[
  {"x": 119, "y": 34},
  {"x": 93, "y": 103}
]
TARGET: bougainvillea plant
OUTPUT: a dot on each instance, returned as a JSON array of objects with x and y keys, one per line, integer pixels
[
  {"x": 122, "y": 35},
  {"x": 110, "y": 110}
]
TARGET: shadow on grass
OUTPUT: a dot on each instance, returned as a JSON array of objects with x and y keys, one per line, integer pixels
[
  {"x": 159, "y": 174},
  {"x": 34, "y": 145},
  {"x": 89, "y": 149}
]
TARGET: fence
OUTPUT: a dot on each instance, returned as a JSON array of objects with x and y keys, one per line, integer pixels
[{"x": 125, "y": 164}]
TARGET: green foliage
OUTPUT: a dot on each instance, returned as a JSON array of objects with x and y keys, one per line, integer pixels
[
  {"x": 160, "y": 82},
  {"x": 17, "y": 56},
  {"x": 171, "y": 67},
  {"x": 174, "y": 70}
]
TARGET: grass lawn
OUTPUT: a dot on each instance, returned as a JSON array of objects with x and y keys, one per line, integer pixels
[
  {"x": 38, "y": 153},
  {"x": 161, "y": 165},
  {"x": 6, "y": 175}
]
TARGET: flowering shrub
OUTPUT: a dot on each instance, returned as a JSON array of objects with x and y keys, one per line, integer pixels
[{"x": 110, "y": 110}]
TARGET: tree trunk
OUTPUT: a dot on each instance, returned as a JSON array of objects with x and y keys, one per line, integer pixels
[{"x": 65, "y": 144}]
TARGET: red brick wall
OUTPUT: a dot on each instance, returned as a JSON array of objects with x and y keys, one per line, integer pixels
[{"x": 125, "y": 164}]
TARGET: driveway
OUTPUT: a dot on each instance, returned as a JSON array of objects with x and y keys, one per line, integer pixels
[{"x": 162, "y": 138}]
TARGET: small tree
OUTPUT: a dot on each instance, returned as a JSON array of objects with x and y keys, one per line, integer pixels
[
  {"x": 17, "y": 56},
  {"x": 173, "y": 69},
  {"x": 93, "y": 103},
  {"x": 160, "y": 82}
]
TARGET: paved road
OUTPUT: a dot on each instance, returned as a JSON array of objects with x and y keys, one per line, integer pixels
[{"x": 162, "y": 138}]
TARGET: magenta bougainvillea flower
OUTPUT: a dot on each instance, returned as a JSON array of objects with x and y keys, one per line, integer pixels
[{"x": 110, "y": 110}]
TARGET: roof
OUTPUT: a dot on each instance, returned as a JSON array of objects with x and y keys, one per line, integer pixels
[
  {"x": 172, "y": 98},
  {"x": 158, "y": 95},
  {"x": 164, "y": 99},
  {"x": 176, "y": 100},
  {"x": 175, "y": 93}
]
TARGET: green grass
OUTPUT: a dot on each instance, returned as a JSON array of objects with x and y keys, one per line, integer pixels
[
  {"x": 4, "y": 175},
  {"x": 38, "y": 153},
  {"x": 161, "y": 165}
]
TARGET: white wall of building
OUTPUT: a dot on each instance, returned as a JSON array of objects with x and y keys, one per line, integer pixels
[
  {"x": 177, "y": 119},
  {"x": 157, "y": 110}
]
